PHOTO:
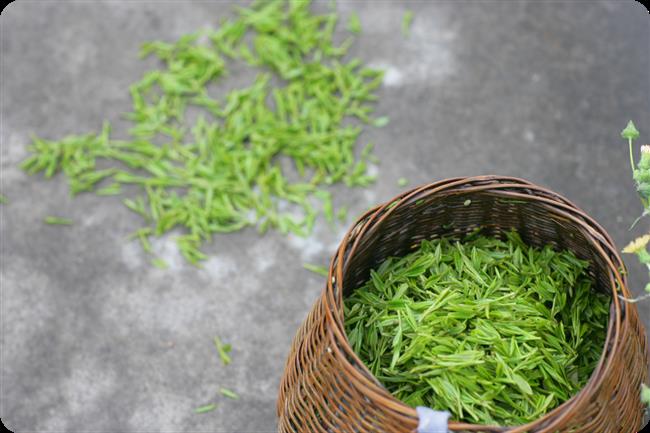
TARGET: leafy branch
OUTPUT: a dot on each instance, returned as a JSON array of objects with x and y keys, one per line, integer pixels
[
  {"x": 641, "y": 176},
  {"x": 639, "y": 246}
]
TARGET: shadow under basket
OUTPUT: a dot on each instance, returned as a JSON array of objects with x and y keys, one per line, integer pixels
[{"x": 326, "y": 388}]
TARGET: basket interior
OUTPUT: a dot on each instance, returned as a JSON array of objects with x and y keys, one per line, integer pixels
[{"x": 459, "y": 213}]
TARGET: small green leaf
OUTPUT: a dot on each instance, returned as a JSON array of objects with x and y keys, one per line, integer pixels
[
  {"x": 407, "y": 21},
  {"x": 207, "y": 408},
  {"x": 381, "y": 121},
  {"x": 320, "y": 270},
  {"x": 159, "y": 263},
  {"x": 54, "y": 220},
  {"x": 342, "y": 214},
  {"x": 354, "y": 24},
  {"x": 645, "y": 394},
  {"x": 229, "y": 394},
  {"x": 223, "y": 350},
  {"x": 522, "y": 384},
  {"x": 402, "y": 181}
]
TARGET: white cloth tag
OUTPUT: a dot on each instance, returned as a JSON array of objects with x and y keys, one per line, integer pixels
[{"x": 432, "y": 421}]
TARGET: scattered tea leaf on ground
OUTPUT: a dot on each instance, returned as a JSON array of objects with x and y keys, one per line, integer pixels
[
  {"x": 407, "y": 21},
  {"x": 54, "y": 220},
  {"x": 381, "y": 121},
  {"x": 159, "y": 263},
  {"x": 354, "y": 24},
  {"x": 645, "y": 394},
  {"x": 224, "y": 169},
  {"x": 223, "y": 350},
  {"x": 229, "y": 394},
  {"x": 320, "y": 270},
  {"x": 206, "y": 408}
]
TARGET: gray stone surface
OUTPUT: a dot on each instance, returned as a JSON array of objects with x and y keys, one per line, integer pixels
[{"x": 94, "y": 339}]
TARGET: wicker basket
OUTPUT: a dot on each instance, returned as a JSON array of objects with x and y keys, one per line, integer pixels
[{"x": 326, "y": 388}]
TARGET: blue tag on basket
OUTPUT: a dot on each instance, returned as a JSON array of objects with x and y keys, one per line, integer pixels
[{"x": 432, "y": 421}]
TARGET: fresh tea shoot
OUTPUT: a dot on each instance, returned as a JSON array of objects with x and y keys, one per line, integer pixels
[
  {"x": 159, "y": 263},
  {"x": 205, "y": 409},
  {"x": 229, "y": 394},
  {"x": 223, "y": 350},
  {"x": 58, "y": 221},
  {"x": 494, "y": 331},
  {"x": 354, "y": 23},
  {"x": 320, "y": 270},
  {"x": 407, "y": 21}
]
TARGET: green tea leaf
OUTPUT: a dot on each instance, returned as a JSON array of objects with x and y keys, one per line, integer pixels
[
  {"x": 206, "y": 408},
  {"x": 407, "y": 21},
  {"x": 320, "y": 270},
  {"x": 354, "y": 24},
  {"x": 223, "y": 350},
  {"x": 645, "y": 394},
  {"x": 54, "y": 220},
  {"x": 159, "y": 263},
  {"x": 381, "y": 121},
  {"x": 229, "y": 394}
]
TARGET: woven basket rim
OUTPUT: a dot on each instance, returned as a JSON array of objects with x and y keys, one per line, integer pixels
[{"x": 374, "y": 217}]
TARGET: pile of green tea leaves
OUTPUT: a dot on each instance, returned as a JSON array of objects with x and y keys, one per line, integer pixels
[
  {"x": 496, "y": 332},
  {"x": 258, "y": 156}
]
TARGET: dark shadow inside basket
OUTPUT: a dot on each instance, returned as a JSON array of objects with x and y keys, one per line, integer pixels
[{"x": 458, "y": 213}]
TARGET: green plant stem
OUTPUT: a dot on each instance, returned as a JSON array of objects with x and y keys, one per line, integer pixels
[{"x": 631, "y": 155}]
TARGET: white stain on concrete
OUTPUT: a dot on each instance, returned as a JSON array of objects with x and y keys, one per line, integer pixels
[
  {"x": 163, "y": 411},
  {"x": 529, "y": 136},
  {"x": 84, "y": 54},
  {"x": 22, "y": 285},
  {"x": 167, "y": 250},
  {"x": 264, "y": 255},
  {"x": 87, "y": 385},
  {"x": 54, "y": 420},
  {"x": 309, "y": 248},
  {"x": 158, "y": 306},
  {"x": 220, "y": 267},
  {"x": 393, "y": 77},
  {"x": 132, "y": 254},
  {"x": 370, "y": 196},
  {"x": 426, "y": 55},
  {"x": 12, "y": 152}
]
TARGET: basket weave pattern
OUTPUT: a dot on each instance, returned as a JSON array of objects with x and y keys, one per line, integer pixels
[{"x": 326, "y": 388}]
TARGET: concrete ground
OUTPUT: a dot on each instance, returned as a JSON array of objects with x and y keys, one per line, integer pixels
[{"x": 94, "y": 339}]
